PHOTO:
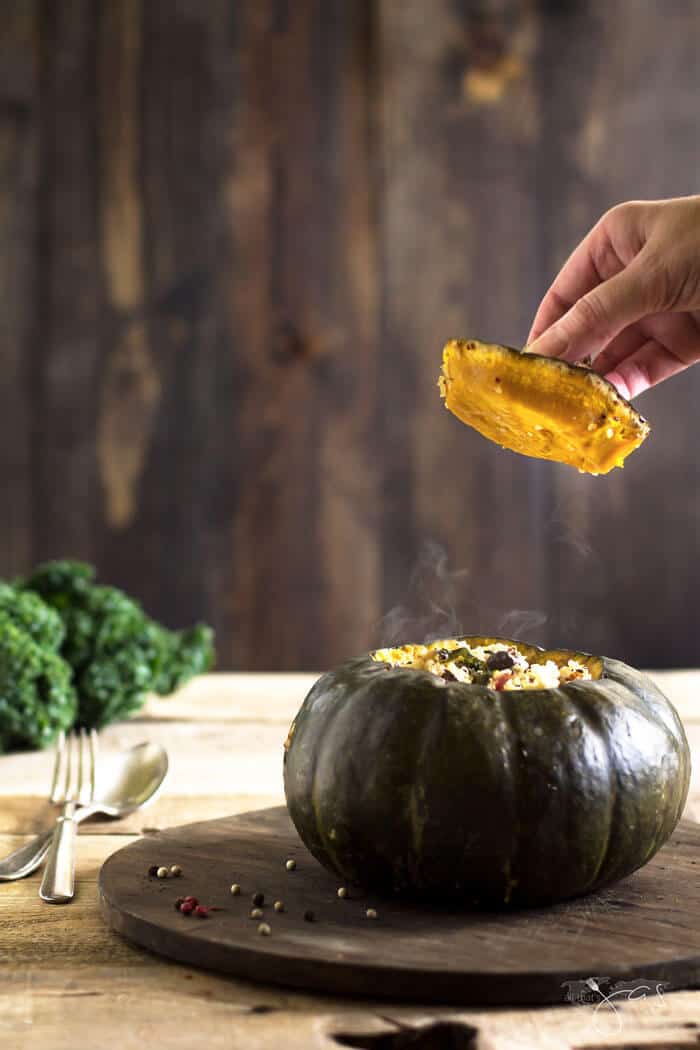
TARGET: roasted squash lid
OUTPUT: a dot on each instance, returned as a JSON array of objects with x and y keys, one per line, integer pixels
[{"x": 540, "y": 406}]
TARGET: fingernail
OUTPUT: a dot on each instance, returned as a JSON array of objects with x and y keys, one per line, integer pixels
[
  {"x": 553, "y": 343},
  {"x": 619, "y": 383}
]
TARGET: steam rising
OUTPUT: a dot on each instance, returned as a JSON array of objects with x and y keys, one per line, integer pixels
[
  {"x": 564, "y": 532},
  {"x": 519, "y": 623},
  {"x": 429, "y": 608}
]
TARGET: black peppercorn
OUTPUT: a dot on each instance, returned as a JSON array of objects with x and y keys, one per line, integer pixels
[
  {"x": 258, "y": 899},
  {"x": 309, "y": 916},
  {"x": 153, "y": 870}
]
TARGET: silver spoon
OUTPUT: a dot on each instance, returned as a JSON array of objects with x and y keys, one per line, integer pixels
[{"x": 126, "y": 782}]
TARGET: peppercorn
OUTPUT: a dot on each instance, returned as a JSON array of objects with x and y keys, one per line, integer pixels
[
  {"x": 153, "y": 870},
  {"x": 235, "y": 890},
  {"x": 175, "y": 870},
  {"x": 291, "y": 864},
  {"x": 201, "y": 912},
  {"x": 187, "y": 907},
  {"x": 256, "y": 913},
  {"x": 342, "y": 892},
  {"x": 258, "y": 899},
  {"x": 264, "y": 930},
  {"x": 371, "y": 913},
  {"x": 278, "y": 906},
  {"x": 309, "y": 916},
  {"x": 162, "y": 873}
]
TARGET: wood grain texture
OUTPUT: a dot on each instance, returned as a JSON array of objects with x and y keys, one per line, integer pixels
[
  {"x": 459, "y": 232},
  {"x": 646, "y": 924},
  {"x": 65, "y": 359},
  {"x": 619, "y": 556},
  {"x": 130, "y": 387},
  {"x": 304, "y": 299},
  {"x": 68, "y": 980},
  {"x": 19, "y": 169},
  {"x": 184, "y": 502},
  {"x": 499, "y": 124},
  {"x": 233, "y": 238}
]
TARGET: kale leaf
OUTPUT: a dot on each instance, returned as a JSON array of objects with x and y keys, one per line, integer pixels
[
  {"x": 37, "y": 698},
  {"x": 28, "y": 612},
  {"x": 117, "y": 653}
]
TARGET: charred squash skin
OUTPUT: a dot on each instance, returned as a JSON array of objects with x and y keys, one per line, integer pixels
[
  {"x": 401, "y": 782},
  {"x": 540, "y": 406}
]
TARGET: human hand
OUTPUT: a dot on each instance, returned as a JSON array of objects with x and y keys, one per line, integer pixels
[{"x": 630, "y": 294}]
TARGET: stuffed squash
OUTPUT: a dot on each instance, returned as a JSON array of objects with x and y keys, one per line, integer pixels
[{"x": 559, "y": 779}]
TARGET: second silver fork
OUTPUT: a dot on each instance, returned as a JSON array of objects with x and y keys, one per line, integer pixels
[{"x": 73, "y": 786}]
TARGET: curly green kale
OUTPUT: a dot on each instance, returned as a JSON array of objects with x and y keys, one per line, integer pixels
[
  {"x": 37, "y": 698},
  {"x": 117, "y": 653},
  {"x": 184, "y": 654},
  {"x": 28, "y": 612}
]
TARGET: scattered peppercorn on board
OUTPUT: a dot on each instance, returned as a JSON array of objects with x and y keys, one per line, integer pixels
[{"x": 357, "y": 944}]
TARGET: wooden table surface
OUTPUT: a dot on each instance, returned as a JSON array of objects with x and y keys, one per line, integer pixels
[{"x": 68, "y": 981}]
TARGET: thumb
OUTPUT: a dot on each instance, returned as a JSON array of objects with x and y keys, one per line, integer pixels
[{"x": 597, "y": 317}]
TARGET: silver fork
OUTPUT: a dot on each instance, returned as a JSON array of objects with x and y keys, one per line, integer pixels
[
  {"x": 28, "y": 857},
  {"x": 73, "y": 786}
]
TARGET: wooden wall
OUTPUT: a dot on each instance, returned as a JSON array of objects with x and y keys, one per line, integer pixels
[{"x": 234, "y": 235}]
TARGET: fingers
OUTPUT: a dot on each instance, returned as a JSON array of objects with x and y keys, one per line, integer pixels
[
  {"x": 597, "y": 317},
  {"x": 617, "y": 297},
  {"x": 550, "y": 310},
  {"x": 626, "y": 343},
  {"x": 648, "y": 366},
  {"x": 596, "y": 259},
  {"x": 666, "y": 344},
  {"x": 576, "y": 277},
  {"x": 678, "y": 333}
]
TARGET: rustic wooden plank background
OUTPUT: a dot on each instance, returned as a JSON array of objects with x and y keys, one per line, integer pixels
[{"x": 233, "y": 238}]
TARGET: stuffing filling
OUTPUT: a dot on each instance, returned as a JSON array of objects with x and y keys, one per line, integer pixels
[{"x": 498, "y": 665}]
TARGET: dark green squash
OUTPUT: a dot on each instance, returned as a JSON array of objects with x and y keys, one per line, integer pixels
[{"x": 399, "y": 781}]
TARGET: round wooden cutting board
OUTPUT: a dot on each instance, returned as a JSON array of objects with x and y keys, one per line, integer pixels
[{"x": 644, "y": 932}]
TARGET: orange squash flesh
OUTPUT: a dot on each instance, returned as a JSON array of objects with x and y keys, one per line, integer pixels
[{"x": 540, "y": 406}]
